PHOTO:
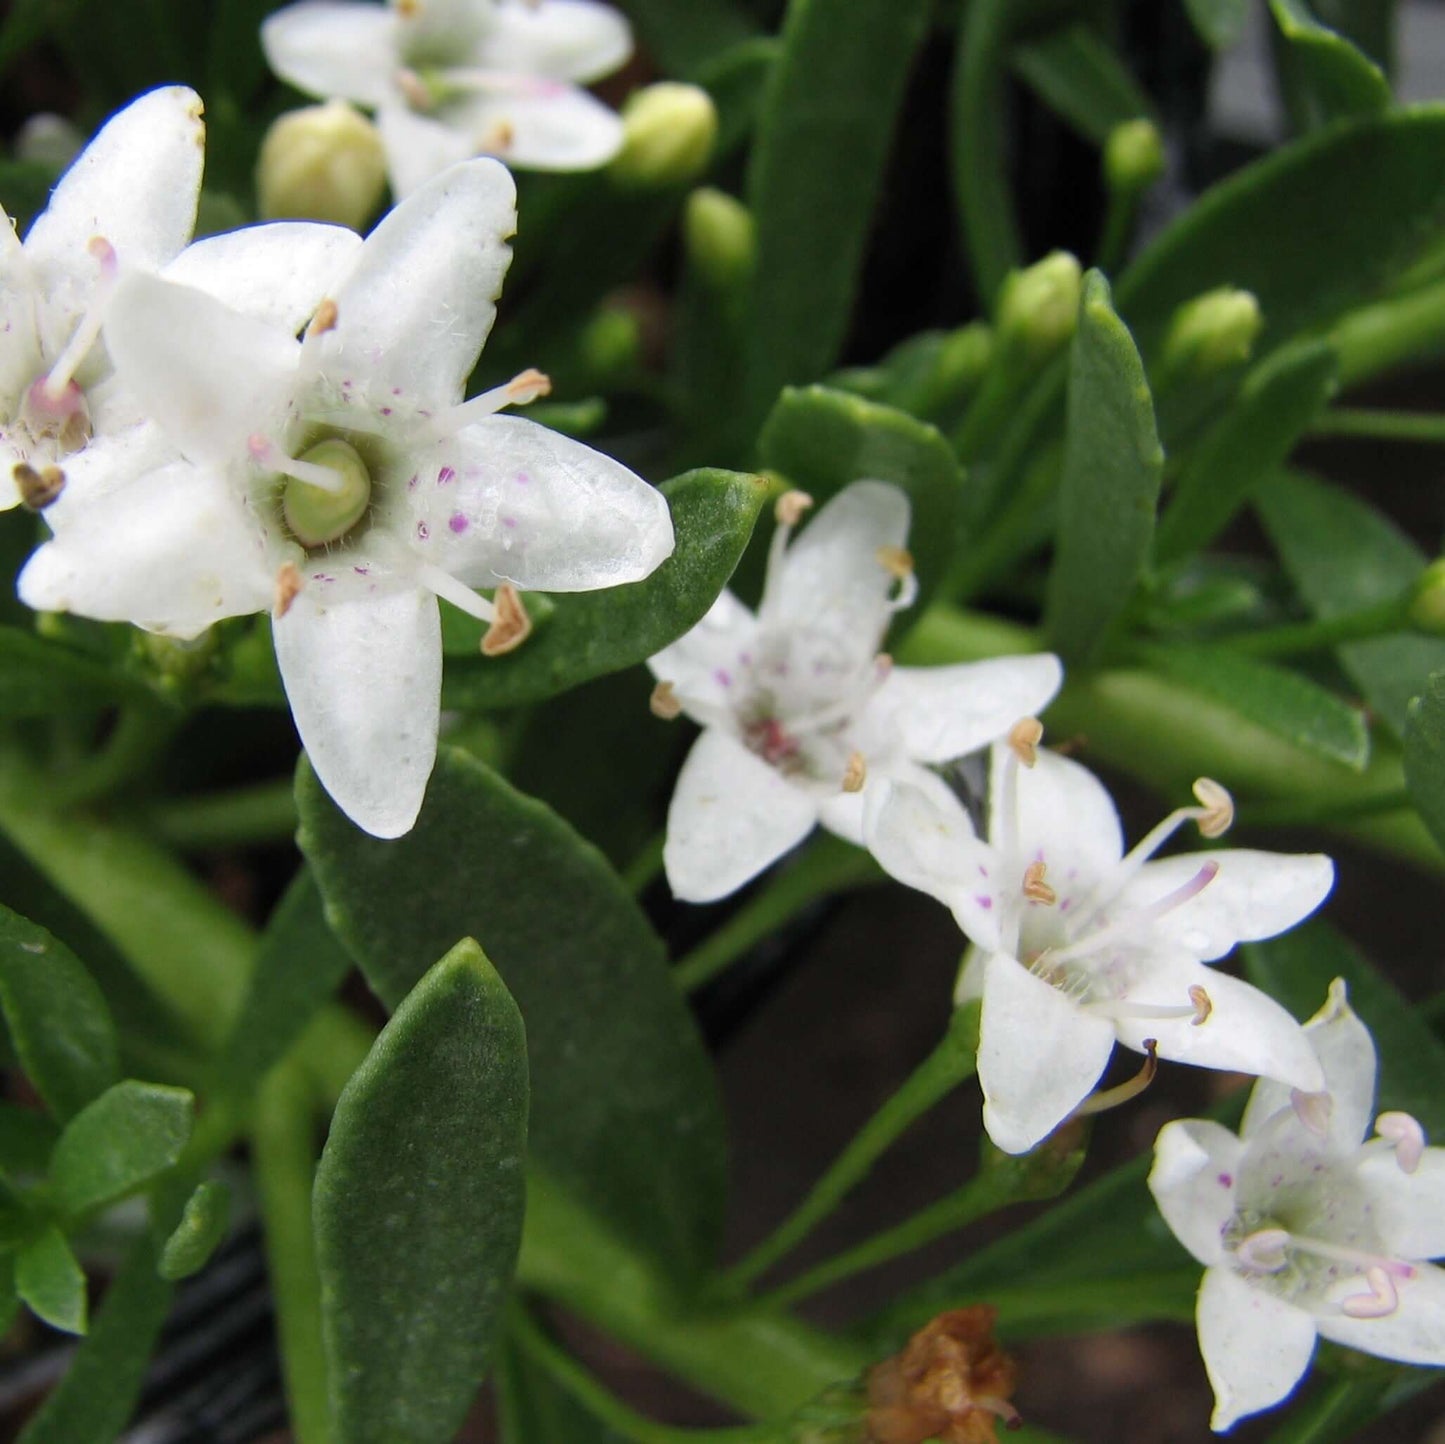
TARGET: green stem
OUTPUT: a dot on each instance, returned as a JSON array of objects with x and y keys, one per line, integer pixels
[
  {"x": 953, "y": 1060},
  {"x": 645, "y": 866},
  {"x": 264, "y": 813},
  {"x": 827, "y": 867},
  {"x": 283, "y": 1155},
  {"x": 1120, "y": 209},
  {"x": 1305, "y": 812},
  {"x": 1377, "y": 338},
  {"x": 1379, "y": 425},
  {"x": 1297, "y": 638},
  {"x": 140, "y": 735}
]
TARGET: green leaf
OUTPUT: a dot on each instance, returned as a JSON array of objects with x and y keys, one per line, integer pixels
[
  {"x": 833, "y": 95},
  {"x": 203, "y": 1225},
  {"x": 128, "y": 1137},
  {"x": 48, "y": 1278},
  {"x": 624, "y": 1108},
  {"x": 682, "y": 37},
  {"x": 1330, "y": 78},
  {"x": 1343, "y": 556},
  {"x": 1113, "y": 465},
  {"x": 592, "y": 633},
  {"x": 1289, "y": 705},
  {"x": 418, "y": 1207},
  {"x": 26, "y": 1138},
  {"x": 1080, "y": 77},
  {"x": 61, "y": 1028},
  {"x": 534, "y": 1409},
  {"x": 1297, "y": 967},
  {"x": 1425, "y": 755},
  {"x": 39, "y": 678},
  {"x": 1278, "y": 400},
  {"x": 822, "y": 440},
  {"x": 1219, "y": 22}
]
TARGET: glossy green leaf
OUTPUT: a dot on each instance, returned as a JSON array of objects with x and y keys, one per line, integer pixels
[
  {"x": 1297, "y": 968},
  {"x": 822, "y": 440},
  {"x": 1342, "y": 555},
  {"x": 1113, "y": 465},
  {"x": 589, "y": 634},
  {"x": 39, "y": 678},
  {"x": 1219, "y": 22},
  {"x": 418, "y": 1207},
  {"x": 1278, "y": 400},
  {"x": 817, "y": 164},
  {"x": 1330, "y": 78},
  {"x": 203, "y": 1225},
  {"x": 51, "y": 1282},
  {"x": 1376, "y": 189},
  {"x": 58, "y": 1020},
  {"x": 1079, "y": 76},
  {"x": 26, "y": 1138},
  {"x": 1287, "y": 704},
  {"x": 624, "y": 1108},
  {"x": 122, "y": 1141}
]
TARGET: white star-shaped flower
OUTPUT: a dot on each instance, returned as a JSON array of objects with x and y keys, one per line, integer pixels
[
  {"x": 1078, "y": 946},
  {"x": 341, "y": 482},
  {"x": 801, "y": 713},
  {"x": 1304, "y": 1229},
  {"x": 449, "y": 79}
]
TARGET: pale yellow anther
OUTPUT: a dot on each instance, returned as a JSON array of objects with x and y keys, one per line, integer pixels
[
  {"x": 664, "y": 703},
  {"x": 1035, "y": 888},
  {"x": 896, "y": 561},
  {"x": 498, "y": 139},
  {"x": 1024, "y": 738},
  {"x": 38, "y": 488},
  {"x": 527, "y": 386},
  {"x": 411, "y": 85},
  {"x": 408, "y": 9},
  {"x": 1218, "y": 816},
  {"x": 288, "y": 588},
  {"x": 510, "y": 627},
  {"x": 1203, "y": 1005},
  {"x": 856, "y": 773},
  {"x": 325, "y": 318},
  {"x": 790, "y": 506}
]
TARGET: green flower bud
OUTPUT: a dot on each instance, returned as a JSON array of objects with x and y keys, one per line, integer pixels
[
  {"x": 1133, "y": 156},
  {"x": 1427, "y": 604},
  {"x": 321, "y": 163},
  {"x": 316, "y": 516},
  {"x": 1214, "y": 332},
  {"x": 668, "y": 131},
  {"x": 1038, "y": 309},
  {"x": 611, "y": 344},
  {"x": 720, "y": 236}
]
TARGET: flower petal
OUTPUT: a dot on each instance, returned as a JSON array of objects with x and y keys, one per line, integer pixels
[
  {"x": 1196, "y": 1163},
  {"x": 1253, "y": 895},
  {"x": 1409, "y": 1208},
  {"x": 704, "y": 664},
  {"x": 1063, "y": 815},
  {"x": 1038, "y": 1055},
  {"x": 413, "y": 314},
  {"x": 364, "y": 682},
  {"x": 441, "y": 32},
  {"x": 136, "y": 184},
  {"x": 565, "y": 39},
  {"x": 278, "y": 272},
  {"x": 418, "y": 147},
  {"x": 938, "y": 713},
  {"x": 518, "y": 502},
  {"x": 334, "y": 51},
  {"x": 1256, "y": 1347},
  {"x": 731, "y": 815},
  {"x": 547, "y": 126},
  {"x": 1414, "y": 1333},
  {"x": 846, "y": 813}
]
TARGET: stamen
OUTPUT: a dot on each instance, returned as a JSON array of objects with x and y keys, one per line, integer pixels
[
  {"x": 1035, "y": 888},
  {"x": 325, "y": 318},
  {"x": 1382, "y": 1300},
  {"x": 1218, "y": 815},
  {"x": 265, "y": 452},
  {"x": 1203, "y": 1005},
  {"x": 1108, "y": 1098},
  {"x": 498, "y": 138},
  {"x": 790, "y": 506},
  {"x": 417, "y": 92},
  {"x": 1408, "y": 1138},
  {"x": 1137, "y": 1012},
  {"x": 512, "y": 625},
  {"x": 1132, "y": 921},
  {"x": 446, "y": 586},
  {"x": 856, "y": 773},
  {"x": 288, "y": 588},
  {"x": 78, "y": 347},
  {"x": 1264, "y": 1252},
  {"x": 664, "y": 702},
  {"x": 522, "y": 389},
  {"x": 1313, "y": 1110},
  {"x": 896, "y": 561},
  {"x": 1024, "y": 738},
  {"x": 38, "y": 489}
]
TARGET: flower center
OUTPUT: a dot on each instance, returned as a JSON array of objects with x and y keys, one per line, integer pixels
[
  {"x": 327, "y": 493},
  {"x": 1272, "y": 1250}
]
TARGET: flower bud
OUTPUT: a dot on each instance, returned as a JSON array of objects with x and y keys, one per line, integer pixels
[
  {"x": 1212, "y": 333},
  {"x": 611, "y": 344},
  {"x": 1427, "y": 603},
  {"x": 1133, "y": 156},
  {"x": 50, "y": 140},
  {"x": 1038, "y": 309},
  {"x": 321, "y": 163},
  {"x": 668, "y": 130},
  {"x": 720, "y": 236}
]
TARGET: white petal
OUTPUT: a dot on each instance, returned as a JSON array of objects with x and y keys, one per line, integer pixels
[
  {"x": 173, "y": 552},
  {"x": 341, "y": 51},
  {"x": 415, "y": 310},
  {"x": 1246, "y": 1031},
  {"x": 549, "y": 126},
  {"x": 939, "y": 713},
  {"x": 566, "y": 39},
  {"x": 1038, "y": 1055},
  {"x": 731, "y": 815},
  {"x": 706, "y": 664},
  {"x": 364, "y": 682},
  {"x": 1409, "y": 1208},
  {"x": 1253, "y": 895},
  {"x": 1256, "y": 1347},
  {"x": 519, "y": 502},
  {"x": 441, "y": 32},
  {"x": 1414, "y": 1333},
  {"x": 20, "y": 359},
  {"x": 846, "y": 813},
  {"x": 929, "y": 843},
  {"x": 278, "y": 272},
  {"x": 1196, "y": 1163},
  {"x": 112, "y": 460},
  {"x": 1064, "y": 815},
  {"x": 210, "y": 376},
  {"x": 136, "y": 184},
  {"x": 418, "y": 147}
]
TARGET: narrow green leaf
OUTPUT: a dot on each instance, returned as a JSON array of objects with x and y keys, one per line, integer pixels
[
  {"x": 682, "y": 37},
  {"x": 834, "y": 93},
  {"x": 129, "y": 1136},
  {"x": 1342, "y": 556},
  {"x": 1278, "y": 400},
  {"x": 58, "y": 1021},
  {"x": 592, "y": 633},
  {"x": 1080, "y": 77},
  {"x": 39, "y": 678},
  {"x": 1425, "y": 755},
  {"x": 1289, "y": 705},
  {"x": 48, "y": 1278},
  {"x": 1331, "y": 79},
  {"x": 1219, "y": 22},
  {"x": 534, "y": 1409},
  {"x": 1113, "y": 465},
  {"x": 624, "y": 1108},
  {"x": 418, "y": 1207},
  {"x": 203, "y": 1225}
]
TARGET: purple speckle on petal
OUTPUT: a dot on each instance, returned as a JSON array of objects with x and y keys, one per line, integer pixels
[
  {"x": 396, "y": 390},
  {"x": 723, "y": 677},
  {"x": 386, "y": 411},
  {"x": 411, "y": 484},
  {"x": 522, "y": 479},
  {"x": 1226, "y": 1180},
  {"x": 458, "y": 523},
  {"x": 446, "y": 476},
  {"x": 1066, "y": 904},
  {"x": 423, "y": 531},
  {"x": 321, "y": 577},
  {"x": 509, "y": 521},
  {"x": 983, "y": 900},
  {"x": 982, "y": 870},
  {"x": 362, "y": 571}
]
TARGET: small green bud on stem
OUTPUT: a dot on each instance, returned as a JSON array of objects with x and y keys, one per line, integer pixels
[{"x": 668, "y": 132}]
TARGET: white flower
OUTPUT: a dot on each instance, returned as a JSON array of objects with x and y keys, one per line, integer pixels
[
  {"x": 339, "y": 482},
  {"x": 800, "y": 711},
  {"x": 1078, "y": 946},
  {"x": 450, "y": 79},
  {"x": 1303, "y": 1229}
]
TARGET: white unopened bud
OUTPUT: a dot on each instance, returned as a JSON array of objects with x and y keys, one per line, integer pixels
[
  {"x": 321, "y": 163},
  {"x": 668, "y": 131}
]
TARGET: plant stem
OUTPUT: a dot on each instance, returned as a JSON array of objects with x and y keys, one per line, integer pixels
[
  {"x": 264, "y": 813},
  {"x": 645, "y": 866},
  {"x": 1119, "y": 212},
  {"x": 953, "y": 1060},
  {"x": 1304, "y": 812},
  {"x": 140, "y": 734},
  {"x": 1297, "y": 638},
  {"x": 1376, "y": 338},
  {"x": 1379, "y": 425}
]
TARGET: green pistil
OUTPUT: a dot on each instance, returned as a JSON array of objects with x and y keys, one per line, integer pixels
[{"x": 316, "y": 516}]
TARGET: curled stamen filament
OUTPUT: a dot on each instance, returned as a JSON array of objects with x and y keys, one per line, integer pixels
[
  {"x": 1382, "y": 1300},
  {"x": 1107, "y": 1098},
  {"x": 78, "y": 347},
  {"x": 1406, "y": 1136}
]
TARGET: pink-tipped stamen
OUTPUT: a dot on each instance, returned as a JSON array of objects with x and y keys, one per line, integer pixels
[
  {"x": 1407, "y": 1137},
  {"x": 1132, "y": 921},
  {"x": 57, "y": 381},
  {"x": 265, "y": 452},
  {"x": 1313, "y": 1110},
  {"x": 521, "y": 390},
  {"x": 1382, "y": 1300}
]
